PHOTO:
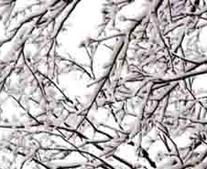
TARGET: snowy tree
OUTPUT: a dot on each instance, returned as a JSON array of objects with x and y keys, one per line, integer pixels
[{"x": 132, "y": 95}]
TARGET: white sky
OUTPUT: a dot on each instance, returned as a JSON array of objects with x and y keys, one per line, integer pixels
[{"x": 83, "y": 23}]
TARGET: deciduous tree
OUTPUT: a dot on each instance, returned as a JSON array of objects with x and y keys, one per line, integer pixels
[{"x": 145, "y": 97}]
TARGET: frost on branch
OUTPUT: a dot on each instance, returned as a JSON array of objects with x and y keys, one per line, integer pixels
[{"x": 136, "y": 88}]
